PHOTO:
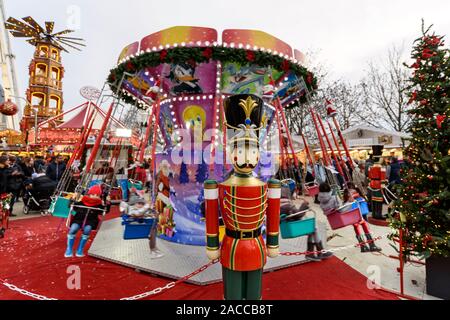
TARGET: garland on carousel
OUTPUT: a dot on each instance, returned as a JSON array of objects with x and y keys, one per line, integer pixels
[{"x": 205, "y": 55}]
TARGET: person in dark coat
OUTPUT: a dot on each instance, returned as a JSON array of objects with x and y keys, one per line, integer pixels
[
  {"x": 39, "y": 163},
  {"x": 56, "y": 169},
  {"x": 15, "y": 182},
  {"x": 28, "y": 168},
  {"x": 88, "y": 209},
  {"x": 394, "y": 175},
  {"x": 4, "y": 172}
]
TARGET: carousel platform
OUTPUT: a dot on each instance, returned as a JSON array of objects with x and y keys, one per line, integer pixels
[{"x": 179, "y": 260}]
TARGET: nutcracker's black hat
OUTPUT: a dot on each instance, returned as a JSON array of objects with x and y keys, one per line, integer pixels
[{"x": 244, "y": 113}]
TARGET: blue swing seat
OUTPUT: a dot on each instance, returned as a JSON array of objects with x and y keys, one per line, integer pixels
[
  {"x": 363, "y": 207},
  {"x": 137, "y": 228}
]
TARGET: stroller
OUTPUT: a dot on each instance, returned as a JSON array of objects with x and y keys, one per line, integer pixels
[{"x": 38, "y": 193}]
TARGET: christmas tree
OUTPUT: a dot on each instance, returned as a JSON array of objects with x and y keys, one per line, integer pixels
[
  {"x": 202, "y": 172},
  {"x": 184, "y": 175},
  {"x": 424, "y": 197}
]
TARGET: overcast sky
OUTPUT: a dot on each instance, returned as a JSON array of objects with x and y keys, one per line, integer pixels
[{"x": 348, "y": 33}]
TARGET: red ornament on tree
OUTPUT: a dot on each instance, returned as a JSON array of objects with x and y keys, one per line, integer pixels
[
  {"x": 439, "y": 119},
  {"x": 285, "y": 66},
  {"x": 413, "y": 97},
  {"x": 250, "y": 56},
  {"x": 163, "y": 55},
  {"x": 426, "y": 53},
  {"x": 8, "y": 108},
  {"x": 130, "y": 66},
  {"x": 207, "y": 53}
]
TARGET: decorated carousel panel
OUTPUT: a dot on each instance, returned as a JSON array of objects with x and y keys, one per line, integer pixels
[{"x": 183, "y": 74}]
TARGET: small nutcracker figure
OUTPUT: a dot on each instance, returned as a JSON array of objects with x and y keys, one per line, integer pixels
[
  {"x": 245, "y": 203},
  {"x": 377, "y": 181}
]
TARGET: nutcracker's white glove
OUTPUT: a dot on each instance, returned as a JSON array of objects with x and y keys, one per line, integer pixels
[
  {"x": 213, "y": 255},
  {"x": 161, "y": 186},
  {"x": 273, "y": 252}
]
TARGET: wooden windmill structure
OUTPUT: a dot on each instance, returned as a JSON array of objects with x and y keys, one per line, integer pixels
[{"x": 44, "y": 94}]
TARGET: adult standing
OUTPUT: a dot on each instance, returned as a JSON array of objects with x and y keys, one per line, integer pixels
[
  {"x": 39, "y": 163},
  {"x": 28, "y": 167},
  {"x": 56, "y": 169},
  {"x": 15, "y": 182},
  {"x": 4, "y": 173},
  {"x": 360, "y": 179},
  {"x": 394, "y": 174},
  {"x": 369, "y": 163}
]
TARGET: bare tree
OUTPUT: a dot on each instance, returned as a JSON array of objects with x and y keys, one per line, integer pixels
[
  {"x": 346, "y": 98},
  {"x": 384, "y": 92}
]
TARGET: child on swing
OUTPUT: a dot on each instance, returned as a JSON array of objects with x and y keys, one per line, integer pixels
[
  {"x": 330, "y": 203},
  {"x": 88, "y": 208},
  {"x": 138, "y": 208},
  {"x": 288, "y": 207}
]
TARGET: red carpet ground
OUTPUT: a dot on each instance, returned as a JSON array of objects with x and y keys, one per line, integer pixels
[{"x": 31, "y": 257}]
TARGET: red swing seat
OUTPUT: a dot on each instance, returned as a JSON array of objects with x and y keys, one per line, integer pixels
[
  {"x": 347, "y": 215},
  {"x": 311, "y": 189}
]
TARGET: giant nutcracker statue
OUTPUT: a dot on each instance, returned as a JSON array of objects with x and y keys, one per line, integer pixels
[
  {"x": 377, "y": 180},
  {"x": 245, "y": 203}
]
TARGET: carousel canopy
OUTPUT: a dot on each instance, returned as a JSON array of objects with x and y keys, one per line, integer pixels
[{"x": 81, "y": 117}]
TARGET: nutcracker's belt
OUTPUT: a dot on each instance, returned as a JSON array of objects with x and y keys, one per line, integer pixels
[{"x": 243, "y": 234}]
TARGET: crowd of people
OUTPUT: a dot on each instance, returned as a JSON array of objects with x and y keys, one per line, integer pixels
[{"x": 19, "y": 173}]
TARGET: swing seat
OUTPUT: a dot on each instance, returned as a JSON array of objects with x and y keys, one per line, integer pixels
[
  {"x": 345, "y": 216},
  {"x": 363, "y": 206},
  {"x": 137, "y": 228},
  {"x": 296, "y": 229},
  {"x": 311, "y": 189},
  {"x": 116, "y": 195},
  {"x": 136, "y": 185},
  {"x": 60, "y": 207}
]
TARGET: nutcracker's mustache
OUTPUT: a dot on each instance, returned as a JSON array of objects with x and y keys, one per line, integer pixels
[{"x": 246, "y": 165}]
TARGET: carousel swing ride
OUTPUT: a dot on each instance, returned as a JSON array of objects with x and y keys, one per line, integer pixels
[
  {"x": 175, "y": 82},
  {"x": 179, "y": 78}
]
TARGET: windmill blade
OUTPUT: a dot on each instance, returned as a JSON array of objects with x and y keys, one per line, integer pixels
[
  {"x": 34, "y": 24},
  {"x": 71, "y": 38},
  {"x": 16, "y": 25},
  {"x": 70, "y": 41},
  {"x": 49, "y": 26},
  {"x": 32, "y": 42},
  {"x": 62, "y": 32},
  {"x": 19, "y": 34},
  {"x": 59, "y": 45},
  {"x": 62, "y": 44}
]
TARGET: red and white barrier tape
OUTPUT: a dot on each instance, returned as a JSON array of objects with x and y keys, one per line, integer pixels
[{"x": 173, "y": 284}]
